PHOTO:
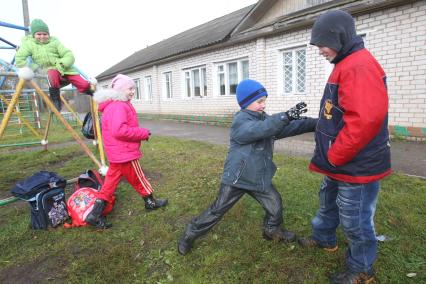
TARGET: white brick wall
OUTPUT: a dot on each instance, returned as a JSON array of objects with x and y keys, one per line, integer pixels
[{"x": 396, "y": 37}]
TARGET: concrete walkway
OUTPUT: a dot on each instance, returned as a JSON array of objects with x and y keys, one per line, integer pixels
[{"x": 407, "y": 157}]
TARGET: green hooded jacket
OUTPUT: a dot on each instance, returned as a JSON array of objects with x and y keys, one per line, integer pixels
[{"x": 49, "y": 55}]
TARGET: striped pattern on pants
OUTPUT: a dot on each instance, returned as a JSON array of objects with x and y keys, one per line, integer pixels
[{"x": 132, "y": 172}]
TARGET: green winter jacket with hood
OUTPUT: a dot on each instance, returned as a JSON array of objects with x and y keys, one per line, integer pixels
[{"x": 49, "y": 55}]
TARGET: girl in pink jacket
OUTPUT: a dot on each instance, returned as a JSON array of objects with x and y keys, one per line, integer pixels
[{"x": 122, "y": 138}]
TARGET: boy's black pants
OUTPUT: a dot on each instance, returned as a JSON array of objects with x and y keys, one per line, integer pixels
[{"x": 270, "y": 200}]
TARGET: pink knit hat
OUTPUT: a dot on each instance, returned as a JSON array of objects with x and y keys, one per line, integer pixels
[{"x": 122, "y": 82}]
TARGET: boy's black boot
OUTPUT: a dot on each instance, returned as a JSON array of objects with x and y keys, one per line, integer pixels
[
  {"x": 348, "y": 277},
  {"x": 185, "y": 244},
  {"x": 279, "y": 235},
  {"x": 94, "y": 217},
  {"x": 55, "y": 97},
  {"x": 151, "y": 203}
]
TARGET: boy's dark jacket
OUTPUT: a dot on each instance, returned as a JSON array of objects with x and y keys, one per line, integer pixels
[
  {"x": 352, "y": 138},
  {"x": 249, "y": 162}
]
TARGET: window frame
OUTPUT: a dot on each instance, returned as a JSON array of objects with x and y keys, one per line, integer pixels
[
  {"x": 294, "y": 77},
  {"x": 138, "y": 93},
  {"x": 148, "y": 88},
  {"x": 168, "y": 85},
  {"x": 222, "y": 68},
  {"x": 189, "y": 86}
]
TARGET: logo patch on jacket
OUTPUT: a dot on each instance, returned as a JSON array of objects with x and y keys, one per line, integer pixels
[{"x": 327, "y": 109}]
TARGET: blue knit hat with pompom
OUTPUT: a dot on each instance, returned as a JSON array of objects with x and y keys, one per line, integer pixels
[{"x": 249, "y": 91}]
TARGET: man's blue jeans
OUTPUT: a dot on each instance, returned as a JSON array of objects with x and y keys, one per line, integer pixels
[{"x": 353, "y": 206}]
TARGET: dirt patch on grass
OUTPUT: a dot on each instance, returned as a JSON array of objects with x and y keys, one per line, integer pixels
[
  {"x": 153, "y": 177},
  {"x": 41, "y": 270}
]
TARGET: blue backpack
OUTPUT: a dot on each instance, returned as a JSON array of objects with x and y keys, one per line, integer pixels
[{"x": 45, "y": 193}]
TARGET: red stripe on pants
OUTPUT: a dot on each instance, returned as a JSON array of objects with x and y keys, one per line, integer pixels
[{"x": 133, "y": 173}]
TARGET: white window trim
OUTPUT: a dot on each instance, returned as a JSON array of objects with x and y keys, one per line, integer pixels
[
  {"x": 137, "y": 87},
  {"x": 216, "y": 88},
  {"x": 147, "y": 92},
  {"x": 164, "y": 86},
  {"x": 280, "y": 83},
  {"x": 191, "y": 79}
]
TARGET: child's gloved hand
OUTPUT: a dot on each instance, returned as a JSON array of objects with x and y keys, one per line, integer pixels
[
  {"x": 60, "y": 67},
  {"x": 295, "y": 112}
]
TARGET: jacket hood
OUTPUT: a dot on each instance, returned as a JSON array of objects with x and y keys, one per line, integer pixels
[
  {"x": 104, "y": 97},
  {"x": 336, "y": 30},
  {"x": 109, "y": 94},
  {"x": 333, "y": 29}
]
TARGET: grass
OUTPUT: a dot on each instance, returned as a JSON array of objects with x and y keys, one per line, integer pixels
[
  {"x": 141, "y": 246},
  {"x": 57, "y": 134}
]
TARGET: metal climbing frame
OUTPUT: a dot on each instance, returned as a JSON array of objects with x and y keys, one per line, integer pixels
[
  {"x": 13, "y": 106},
  {"x": 13, "y": 102}
]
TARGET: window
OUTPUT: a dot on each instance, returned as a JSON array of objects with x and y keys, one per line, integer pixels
[
  {"x": 167, "y": 85},
  {"x": 138, "y": 95},
  {"x": 229, "y": 74},
  {"x": 195, "y": 82},
  {"x": 294, "y": 71},
  {"x": 148, "y": 88}
]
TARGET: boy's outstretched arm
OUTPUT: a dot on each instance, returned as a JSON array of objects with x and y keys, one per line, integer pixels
[
  {"x": 253, "y": 130},
  {"x": 297, "y": 127}
]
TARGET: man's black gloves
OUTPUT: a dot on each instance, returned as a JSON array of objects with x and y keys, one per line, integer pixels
[{"x": 295, "y": 112}]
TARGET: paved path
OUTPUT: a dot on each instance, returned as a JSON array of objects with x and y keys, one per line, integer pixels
[{"x": 407, "y": 157}]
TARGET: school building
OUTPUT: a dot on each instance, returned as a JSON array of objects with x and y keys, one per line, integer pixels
[{"x": 193, "y": 75}]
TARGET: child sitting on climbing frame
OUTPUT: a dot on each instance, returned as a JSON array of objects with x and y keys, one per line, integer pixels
[{"x": 47, "y": 52}]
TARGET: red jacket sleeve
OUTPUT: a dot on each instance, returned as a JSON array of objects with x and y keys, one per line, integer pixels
[{"x": 363, "y": 96}]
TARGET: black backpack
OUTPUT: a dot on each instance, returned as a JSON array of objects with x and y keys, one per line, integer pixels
[
  {"x": 87, "y": 129},
  {"x": 89, "y": 178},
  {"x": 45, "y": 193},
  {"x": 38, "y": 182},
  {"x": 49, "y": 209}
]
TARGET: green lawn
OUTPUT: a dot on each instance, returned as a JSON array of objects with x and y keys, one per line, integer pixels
[{"x": 141, "y": 246}]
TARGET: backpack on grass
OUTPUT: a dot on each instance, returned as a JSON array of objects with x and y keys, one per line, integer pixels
[
  {"x": 38, "y": 182},
  {"x": 48, "y": 209},
  {"x": 89, "y": 178},
  {"x": 81, "y": 202},
  {"x": 45, "y": 193}
]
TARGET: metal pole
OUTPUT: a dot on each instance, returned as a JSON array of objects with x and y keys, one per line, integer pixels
[
  {"x": 23, "y": 119},
  {"x": 11, "y": 106},
  {"x": 26, "y": 15},
  {"x": 74, "y": 134},
  {"x": 98, "y": 134},
  {"x": 68, "y": 107}
]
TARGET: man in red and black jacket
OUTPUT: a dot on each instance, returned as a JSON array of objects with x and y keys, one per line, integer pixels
[{"x": 352, "y": 146}]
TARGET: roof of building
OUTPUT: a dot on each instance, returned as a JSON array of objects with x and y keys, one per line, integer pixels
[
  {"x": 236, "y": 27},
  {"x": 215, "y": 31}
]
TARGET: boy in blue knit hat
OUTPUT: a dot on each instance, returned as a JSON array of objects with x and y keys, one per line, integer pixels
[{"x": 249, "y": 167}]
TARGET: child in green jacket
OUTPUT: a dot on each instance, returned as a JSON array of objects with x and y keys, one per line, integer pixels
[
  {"x": 48, "y": 53},
  {"x": 249, "y": 167}
]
